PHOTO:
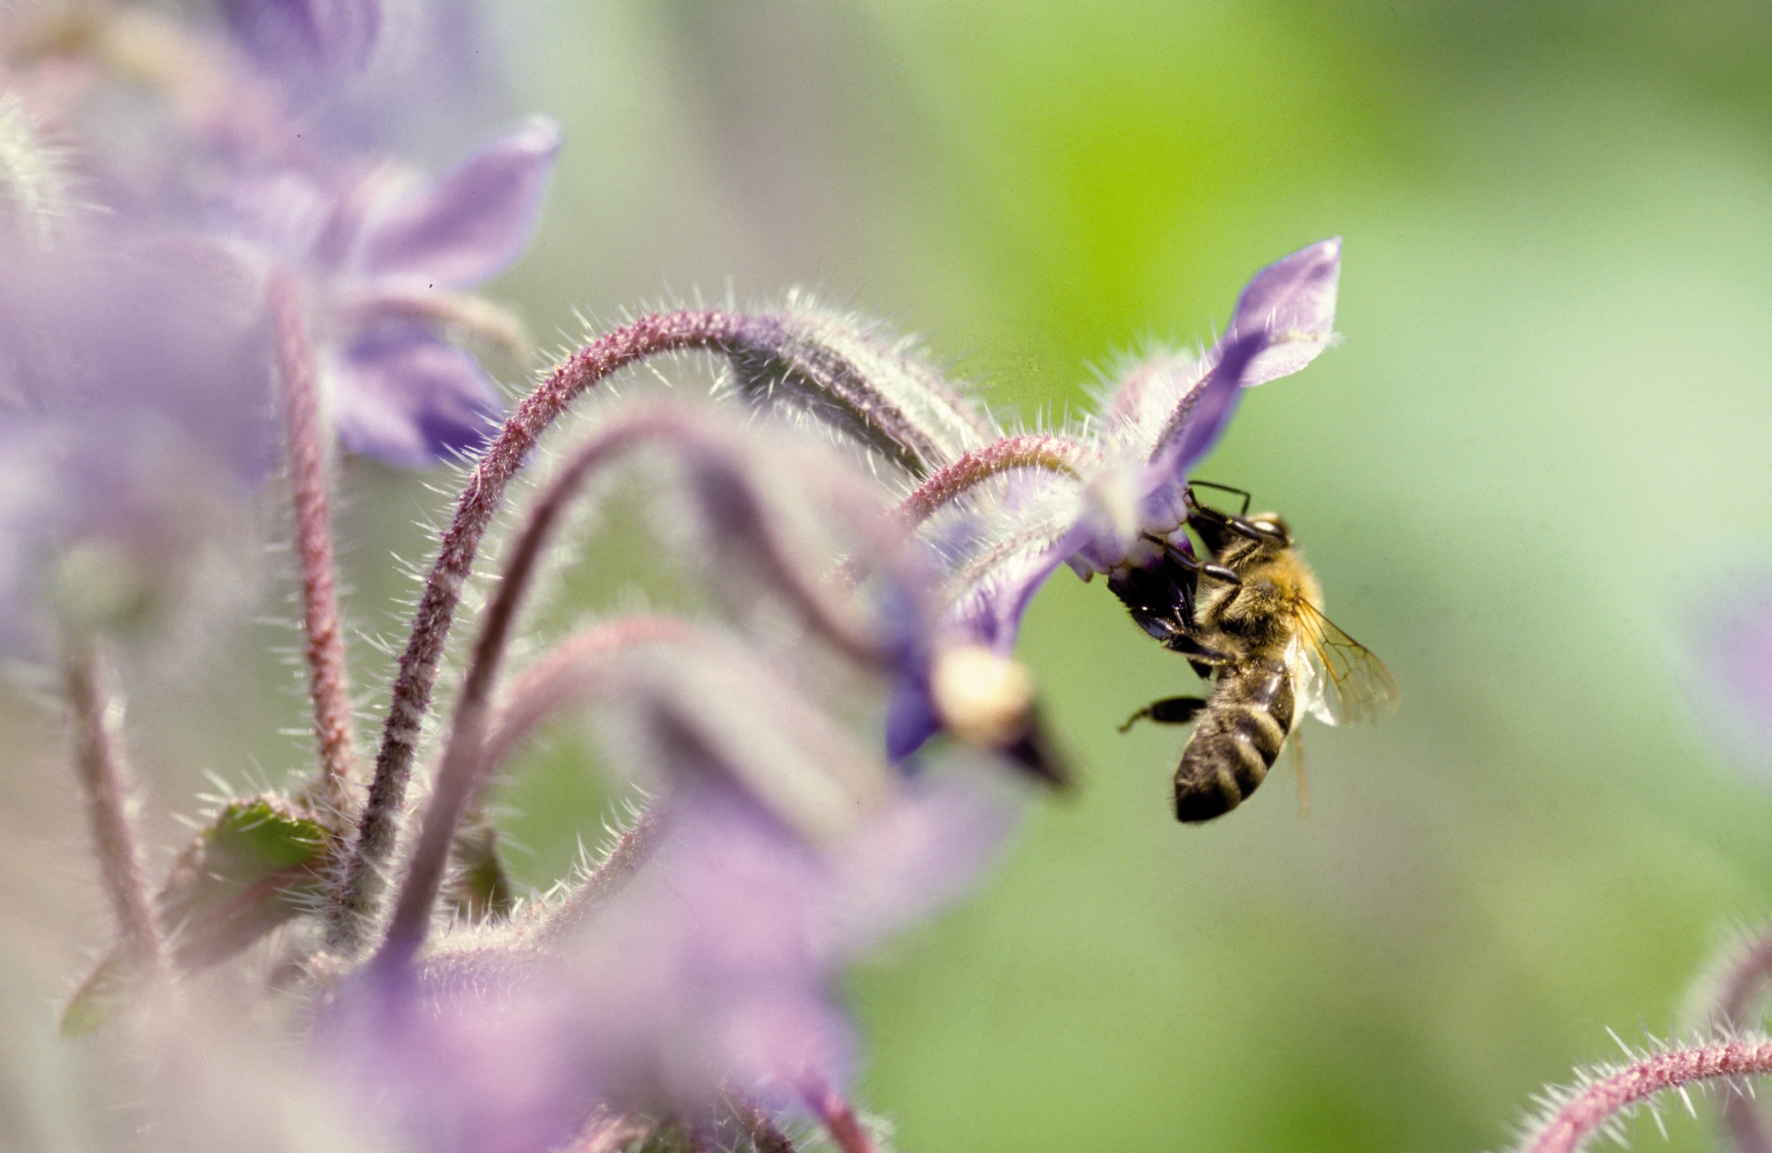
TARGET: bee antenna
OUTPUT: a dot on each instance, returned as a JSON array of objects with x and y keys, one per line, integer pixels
[{"x": 1244, "y": 511}]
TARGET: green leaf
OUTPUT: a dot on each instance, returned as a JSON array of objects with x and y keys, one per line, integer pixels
[
  {"x": 260, "y": 863},
  {"x": 99, "y": 996}
]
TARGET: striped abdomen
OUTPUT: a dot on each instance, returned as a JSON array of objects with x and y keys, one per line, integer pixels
[{"x": 1239, "y": 735}]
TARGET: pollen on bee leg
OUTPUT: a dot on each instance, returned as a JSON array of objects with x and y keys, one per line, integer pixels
[{"x": 982, "y": 698}]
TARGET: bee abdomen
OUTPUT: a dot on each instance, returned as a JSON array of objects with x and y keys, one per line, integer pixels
[{"x": 1239, "y": 736}]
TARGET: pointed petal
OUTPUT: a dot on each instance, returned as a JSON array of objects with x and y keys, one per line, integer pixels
[
  {"x": 469, "y": 225},
  {"x": 1292, "y": 300},
  {"x": 410, "y": 400},
  {"x": 1193, "y": 430}
]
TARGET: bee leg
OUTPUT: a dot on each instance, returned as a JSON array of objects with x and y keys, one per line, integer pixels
[
  {"x": 1197, "y": 654},
  {"x": 1188, "y": 564},
  {"x": 1168, "y": 711}
]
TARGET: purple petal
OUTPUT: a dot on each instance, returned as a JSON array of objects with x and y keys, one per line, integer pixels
[
  {"x": 408, "y": 399},
  {"x": 469, "y": 225},
  {"x": 306, "y": 40},
  {"x": 991, "y": 615},
  {"x": 1292, "y": 300},
  {"x": 1204, "y": 413},
  {"x": 910, "y": 716}
]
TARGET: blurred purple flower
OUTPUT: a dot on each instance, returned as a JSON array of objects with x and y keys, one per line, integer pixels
[
  {"x": 134, "y": 414},
  {"x": 714, "y": 971},
  {"x": 1733, "y": 675},
  {"x": 381, "y": 264}
]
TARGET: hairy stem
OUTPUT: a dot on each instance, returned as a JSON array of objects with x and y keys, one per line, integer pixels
[
  {"x": 328, "y": 681},
  {"x": 466, "y": 765},
  {"x": 1738, "y": 1005},
  {"x": 736, "y": 506},
  {"x": 1053, "y": 453},
  {"x": 837, "y": 1116},
  {"x": 99, "y": 763},
  {"x": 356, "y": 903},
  {"x": 764, "y": 1135},
  {"x": 1578, "y": 1118},
  {"x": 631, "y": 850}
]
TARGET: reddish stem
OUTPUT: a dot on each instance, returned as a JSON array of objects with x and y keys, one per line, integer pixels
[
  {"x": 1587, "y": 1111},
  {"x": 355, "y": 904},
  {"x": 838, "y": 1117},
  {"x": 765, "y": 1136},
  {"x": 1743, "y": 990},
  {"x": 465, "y": 763},
  {"x": 328, "y": 680},
  {"x": 1053, "y": 453},
  {"x": 631, "y": 850},
  {"x": 99, "y": 763}
]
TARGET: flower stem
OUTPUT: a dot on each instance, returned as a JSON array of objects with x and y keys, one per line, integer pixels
[
  {"x": 1587, "y": 1111},
  {"x": 838, "y": 1118},
  {"x": 1052, "y": 453},
  {"x": 328, "y": 679},
  {"x": 99, "y": 763},
  {"x": 765, "y": 1137},
  {"x": 631, "y": 850},
  {"x": 355, "y": 905},
  {"x": 1738, "y": 1004}
]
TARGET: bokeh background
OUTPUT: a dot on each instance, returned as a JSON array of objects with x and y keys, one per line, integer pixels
[{"x": 1534, "y": 479}]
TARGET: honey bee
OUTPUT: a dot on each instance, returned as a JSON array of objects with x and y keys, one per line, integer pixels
[{"x": 1250, "y": 616}]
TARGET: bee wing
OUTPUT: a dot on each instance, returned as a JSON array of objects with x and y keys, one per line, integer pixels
[{"x": 1337, "y": 678}]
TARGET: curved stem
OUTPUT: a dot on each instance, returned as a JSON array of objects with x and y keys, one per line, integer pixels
[
  {"x": 631, "y": 850},
  {"x": 328, "y": 681},
  {"x": 1583, "y": 1114},
  {"x": 466, "y": 763},
  {"x": 1058, "y": 454},
  {"x": 737, "y": 508},
  {"x": 1742, "y": 992},
  {"x": 355, "y": 904},
  {"x": 103, "y": 777}
]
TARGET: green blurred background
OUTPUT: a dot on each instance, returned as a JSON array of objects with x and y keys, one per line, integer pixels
[{"x": 1531, "y": 479}]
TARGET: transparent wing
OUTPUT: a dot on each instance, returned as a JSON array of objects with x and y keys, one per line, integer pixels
[{"x": 1337, "y": 678}]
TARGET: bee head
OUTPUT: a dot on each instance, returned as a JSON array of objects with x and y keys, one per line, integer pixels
[{"x": 1272, "y": 526}]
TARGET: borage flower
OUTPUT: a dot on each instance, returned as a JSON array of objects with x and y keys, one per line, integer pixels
[
  {"x": 385, "y": 265},
  {"x": 1113, "y": 496}
]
